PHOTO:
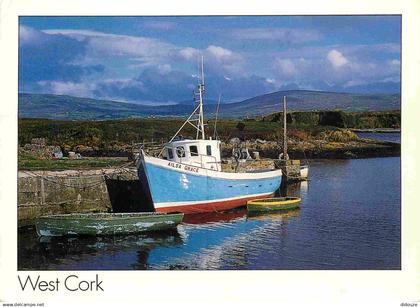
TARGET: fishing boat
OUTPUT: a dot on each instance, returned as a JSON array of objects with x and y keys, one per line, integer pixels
[
  {"x": 187, "y": 175},
  {"x": 273, "y": 204},
  {"x": 95, "y": 224}
]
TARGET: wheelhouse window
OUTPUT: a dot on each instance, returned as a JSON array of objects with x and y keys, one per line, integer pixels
[
  {"x": 180, "y": 152},
  {"x": 194, "y": 151},
  {"x": 208, "y": 148},
  {"x": 170, "y": 153}
]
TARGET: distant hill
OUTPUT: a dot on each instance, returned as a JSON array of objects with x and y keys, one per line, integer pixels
[
  {"x": 68, "y": 107},
  {"x": 313, "y": 100},
  {"x": 191, "y": 102}
]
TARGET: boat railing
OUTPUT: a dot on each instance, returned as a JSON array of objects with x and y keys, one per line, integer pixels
[
  {"x": 150, "y": 147},
  {"x": 201, "y": 164}
]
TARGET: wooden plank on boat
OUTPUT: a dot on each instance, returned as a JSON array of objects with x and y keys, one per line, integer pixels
[
  {"x": 97, "y": 224},
  {"x": 273, "y": 204}
]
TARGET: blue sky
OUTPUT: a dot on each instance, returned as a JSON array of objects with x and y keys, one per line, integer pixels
[{"x": 153, "y": 60}]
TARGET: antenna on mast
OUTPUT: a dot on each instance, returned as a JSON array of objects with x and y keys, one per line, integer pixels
[
  {"x": 196, "y": 118},
  {"x": 284, "y": 128},
  {"x": 201, "y": 94},
  {"x": 198, "y": 96},
  {"x": 202, "y": 70}
]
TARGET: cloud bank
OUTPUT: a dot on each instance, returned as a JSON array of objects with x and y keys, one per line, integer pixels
[{"x": 239, "y": 62}]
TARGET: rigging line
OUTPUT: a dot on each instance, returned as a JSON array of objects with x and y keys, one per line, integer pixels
[
  {"x": 215, "y": 121},
  {"x": 196, "y": 127},
  {"x": 179, "y": 130}
]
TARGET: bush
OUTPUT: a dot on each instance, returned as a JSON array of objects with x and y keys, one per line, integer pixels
[
  {"x": 341, "y": 136},
  {"x": 299, "y": 134}
]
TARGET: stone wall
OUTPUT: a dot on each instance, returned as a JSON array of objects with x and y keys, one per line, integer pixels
[{"x": 60, "y": 192}]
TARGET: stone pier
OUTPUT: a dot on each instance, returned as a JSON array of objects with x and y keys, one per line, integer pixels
[{"x": 60, "y": 192}]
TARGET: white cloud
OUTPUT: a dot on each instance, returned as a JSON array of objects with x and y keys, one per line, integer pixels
[
  {"x": 332, "y": 64},
  {"x": 150, "y": 51},
  {"x": 189, "y": 53},
  {"x": 28, "y": 35},
  {"x": 164, "y": 68},
  {"x": 122, "y": 83},
  {"x": 76, "y": 34},
  {"x": 287, "y": 35},
  {"x": 353, "y": 83},
  {"x": 219, "y": 52},
  {"x": 118, "y": 45},
  {"x": 84, "y": 89},
  {"x": 337, "y": 59},
  {"x": 222, "y": 60},
  {"x": 328, "y": 62},
  {"x": 287, "y": 67},
  {"x": 338, "y": 65}
]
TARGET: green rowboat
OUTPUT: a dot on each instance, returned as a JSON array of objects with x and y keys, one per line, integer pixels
[
  {"x": 273, "y": 204},
  {"x": 99, "y": 224}
]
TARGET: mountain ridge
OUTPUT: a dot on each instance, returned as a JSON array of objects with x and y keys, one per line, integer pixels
[{"x": 69, "y": 107}]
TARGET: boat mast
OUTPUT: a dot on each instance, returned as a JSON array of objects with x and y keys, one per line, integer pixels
[
  {"x": 200, "y": 122},
  {"x": 196, "y": 118},
  {"x": 284, "y": 129}
]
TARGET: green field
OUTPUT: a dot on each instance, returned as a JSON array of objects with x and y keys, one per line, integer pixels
[
  {"x": 117, "y": 138},
  {"x": 30, "y": 163},
  {"x": 102, "y": 135},
  {"x": 109, "y": 134}
]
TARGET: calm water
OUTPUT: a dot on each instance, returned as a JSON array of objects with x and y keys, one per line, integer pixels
[
  {"x": 349, "y": 219},
  {"x": 389, "y": 136}
]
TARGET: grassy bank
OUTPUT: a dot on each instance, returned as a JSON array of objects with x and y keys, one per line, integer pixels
[
  {"x": 114, "y": 135},
  {"x": 107, "y": 134},
  {"x": 30, "y": 163},
  {"x": 323, "y": 133}
]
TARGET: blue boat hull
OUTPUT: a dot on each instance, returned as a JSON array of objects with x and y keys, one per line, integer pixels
[{"x": 176, "y": 187}]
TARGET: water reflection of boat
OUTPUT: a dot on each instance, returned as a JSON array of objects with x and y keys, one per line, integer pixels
[
  {"x": 81, "y": 244},
  {"x": 233, "y": 245},
  {"x": 210, "y": 241},
  {"x": 279, "y": 215},
  {"x": 212, "y": 217},
  {"x": 89, "y": 252}
]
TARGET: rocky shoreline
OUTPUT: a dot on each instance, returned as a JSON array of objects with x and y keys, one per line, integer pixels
[
  {"x": 378, "y": 130},
  {"x": 302, "y": 145},
  {"x": 362, "y": 148}
]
